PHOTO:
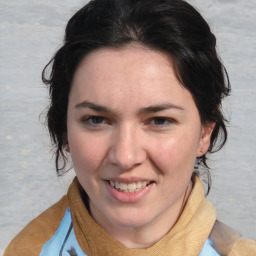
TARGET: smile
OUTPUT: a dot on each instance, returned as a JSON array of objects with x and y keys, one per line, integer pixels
[{"x": 132, "y": 187}]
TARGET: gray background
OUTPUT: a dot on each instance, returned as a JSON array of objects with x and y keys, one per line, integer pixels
[{"x": 30, "y": 32}]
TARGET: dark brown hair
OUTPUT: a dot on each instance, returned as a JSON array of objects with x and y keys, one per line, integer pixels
[{"x": 171, "y": 26}]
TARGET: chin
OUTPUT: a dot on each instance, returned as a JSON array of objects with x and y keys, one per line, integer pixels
[{"x": 131, "y": 219}]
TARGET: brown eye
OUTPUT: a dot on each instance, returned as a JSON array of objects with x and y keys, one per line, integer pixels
[
  {"x": 95, "y": 119},
  {"x": 161, "y": 121}
]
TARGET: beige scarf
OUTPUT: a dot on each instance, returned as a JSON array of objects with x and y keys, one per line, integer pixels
[{"x": 186, "y": 237}]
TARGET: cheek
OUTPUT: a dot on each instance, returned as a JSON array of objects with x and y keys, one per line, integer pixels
[
  {"x": 174, "y": 154},
  {"x": 164, "y": 154},
  {"x": 87, "y": 153}
]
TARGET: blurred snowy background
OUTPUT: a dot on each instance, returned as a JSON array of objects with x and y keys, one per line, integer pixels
[{"x": 31, "y": 31}]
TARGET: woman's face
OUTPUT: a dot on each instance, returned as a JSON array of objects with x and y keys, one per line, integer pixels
[{"x": 134, "y": 134}]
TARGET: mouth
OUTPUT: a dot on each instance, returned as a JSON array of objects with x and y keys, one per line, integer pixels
[{"x": 132, "y": 187}]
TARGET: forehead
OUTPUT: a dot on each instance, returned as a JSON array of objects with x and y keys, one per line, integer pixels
[
  {"x": 135, "y": 73},
  {"x": 131, "y": 58}
]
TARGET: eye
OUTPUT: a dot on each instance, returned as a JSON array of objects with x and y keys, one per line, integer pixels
[
  {"x": 94, "y": 121},
  {"x": 161, "y": 121}
]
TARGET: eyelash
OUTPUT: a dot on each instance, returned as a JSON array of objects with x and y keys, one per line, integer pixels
[
  {"x": 164, "y": 121},
  {"x": 90, "y": 121},
  {"x": 98, "y": 121}
]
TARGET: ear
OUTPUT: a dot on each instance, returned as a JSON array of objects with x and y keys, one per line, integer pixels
[
  {"x": 205, "y": 138},
  {"x": 67, "y": 149},
  {"x": 66, "y": 145}
]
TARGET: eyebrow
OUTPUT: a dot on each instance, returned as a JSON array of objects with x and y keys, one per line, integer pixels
[
  {"x": 146, "y": 110},
  {"x": 93, "y": 106},
  {"x": 160, "y": 107}
]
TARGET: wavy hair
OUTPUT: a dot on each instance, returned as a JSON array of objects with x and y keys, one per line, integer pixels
[{"x": 173, "y": 27}]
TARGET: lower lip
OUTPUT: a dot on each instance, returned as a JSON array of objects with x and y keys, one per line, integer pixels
[{"x": 126, "y": 197}]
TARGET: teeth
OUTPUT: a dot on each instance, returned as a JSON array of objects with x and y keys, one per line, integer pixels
[
  {"x": 123, "y": 186},
  {"x": 139, "y": 184},
  {"x": 116, "y": 184},
  {"x": 144, "y": 183},
  {"x": 130, "y": 187}
]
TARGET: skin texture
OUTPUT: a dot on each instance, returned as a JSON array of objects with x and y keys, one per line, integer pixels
[{"x": 129, "y": 119}]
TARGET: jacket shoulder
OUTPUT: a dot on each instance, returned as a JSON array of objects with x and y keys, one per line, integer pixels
[
  {"x": 31, "y": 239},
  {"x": 229, "y": 242}
]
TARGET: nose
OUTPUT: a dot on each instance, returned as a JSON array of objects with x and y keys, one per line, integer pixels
[{"x": 127, "y": 150}]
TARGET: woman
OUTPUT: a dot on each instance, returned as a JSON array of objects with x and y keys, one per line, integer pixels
[{"x": 136, "y": 94}]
